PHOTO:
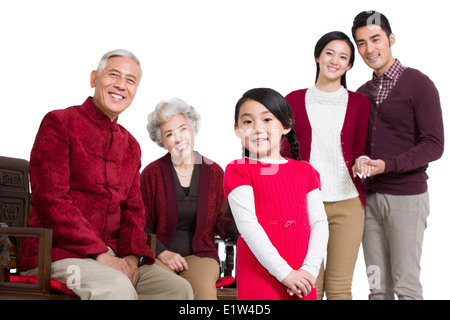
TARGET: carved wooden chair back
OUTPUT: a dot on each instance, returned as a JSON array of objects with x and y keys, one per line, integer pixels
[{"x": 15, "y": 208}]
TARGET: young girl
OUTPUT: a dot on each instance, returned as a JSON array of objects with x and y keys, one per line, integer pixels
[
  {"x": 275, "y": 204},
  {"x": 331, "y": 126}
]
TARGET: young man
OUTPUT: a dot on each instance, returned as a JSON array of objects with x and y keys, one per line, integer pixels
[
  {"x": 84, "y": 170},
  {"x": 405, "y": 134}
]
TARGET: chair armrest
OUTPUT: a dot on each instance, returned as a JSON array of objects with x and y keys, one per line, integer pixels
[
  {"x": 44, "y": 258},
  {"x": 151, "y": 242},
  {"x": 227, "y": 265}
]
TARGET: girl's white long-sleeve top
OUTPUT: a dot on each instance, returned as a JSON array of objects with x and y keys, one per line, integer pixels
[{"x": 242, "y": 204}]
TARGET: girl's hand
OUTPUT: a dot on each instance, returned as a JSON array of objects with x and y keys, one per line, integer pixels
[{"x": 299, "y": 282}]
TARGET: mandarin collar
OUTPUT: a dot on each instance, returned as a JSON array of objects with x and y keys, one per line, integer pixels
[{"x": 97, "y": 115}]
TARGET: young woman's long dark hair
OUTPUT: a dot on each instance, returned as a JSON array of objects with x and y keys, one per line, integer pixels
[
  {"x": 279, "y": 107},
  {"x": 322, "y": 43}
]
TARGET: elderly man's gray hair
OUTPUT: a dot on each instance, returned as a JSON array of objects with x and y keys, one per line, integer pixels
[
  {"x": 164, "y": 111},
  {"x": 117, "y": 53}
]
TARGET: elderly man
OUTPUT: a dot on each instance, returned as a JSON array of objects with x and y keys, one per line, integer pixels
[{"x": 84, "y": 172}]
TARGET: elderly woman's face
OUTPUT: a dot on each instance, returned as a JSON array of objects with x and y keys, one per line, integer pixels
[{"x": 178, "y": 136}]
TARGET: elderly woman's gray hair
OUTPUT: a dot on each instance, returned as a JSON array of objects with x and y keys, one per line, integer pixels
[{"x": 164, "y": 111}]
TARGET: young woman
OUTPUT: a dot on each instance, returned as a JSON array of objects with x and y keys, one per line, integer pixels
[
  {"x": 275, "y": 203},
  {"x": 331, "y": 126}
]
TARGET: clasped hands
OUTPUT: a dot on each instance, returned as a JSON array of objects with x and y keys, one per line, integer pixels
[
  {"x": 127, "y": 265},
  {"x": 299, "y": 282},
  {"x": 367, "y": 167}
]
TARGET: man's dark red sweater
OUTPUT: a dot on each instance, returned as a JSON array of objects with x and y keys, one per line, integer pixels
[{"x": 406, "y": 131}]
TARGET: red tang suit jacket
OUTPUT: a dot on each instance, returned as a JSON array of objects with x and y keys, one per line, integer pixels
[{"x": 84, "y": 173}]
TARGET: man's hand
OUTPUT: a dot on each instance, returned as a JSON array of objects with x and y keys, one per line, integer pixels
[
  {"x": 377, "y": 166},
  {"x": 368, "y": 167},
  {"x": 133, "y": 263},
  {"x": 128, "y": 265}
]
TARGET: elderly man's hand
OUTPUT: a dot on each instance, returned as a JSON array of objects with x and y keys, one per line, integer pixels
[
  {"x": 133, "y": 262},
  {"x": 128, "y": 265}
]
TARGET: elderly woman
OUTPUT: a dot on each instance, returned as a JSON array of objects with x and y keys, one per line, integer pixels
[{"x": 183, "y": 196}]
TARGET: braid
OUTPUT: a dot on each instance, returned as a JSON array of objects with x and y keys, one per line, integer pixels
[
  {"x": 245, "y": 152},
  {"x": 293, "y": 144}
]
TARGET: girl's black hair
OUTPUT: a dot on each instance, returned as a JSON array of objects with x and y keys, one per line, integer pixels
[
  {"x": 322, "y": 43},
  {"x": 279, "y": 107}
]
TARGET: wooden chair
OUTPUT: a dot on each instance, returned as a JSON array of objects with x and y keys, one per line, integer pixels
[
  {"x": 14, "y": 210},
  {"x": 228, "y": 291}
]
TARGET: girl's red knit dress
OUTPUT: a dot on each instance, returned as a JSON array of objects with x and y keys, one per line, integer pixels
[{"x": 280, "y": 192}]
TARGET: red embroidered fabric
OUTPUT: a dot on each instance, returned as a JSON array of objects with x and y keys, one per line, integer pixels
[
  {"x": 58, "y": 287},
  {"x": 55, "y": 286},
  {"x": 224, "y": 281}
]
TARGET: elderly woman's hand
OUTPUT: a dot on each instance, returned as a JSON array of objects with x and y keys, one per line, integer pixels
[{"x": 173, "y": 260}]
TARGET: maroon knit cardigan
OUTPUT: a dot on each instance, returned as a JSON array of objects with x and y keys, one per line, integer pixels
[
  {"x": 158, "y": 192},
  {"x": 353, "y": 134}
]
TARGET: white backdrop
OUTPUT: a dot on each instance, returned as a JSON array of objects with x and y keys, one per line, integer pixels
[{"x": 208, "y": 53}]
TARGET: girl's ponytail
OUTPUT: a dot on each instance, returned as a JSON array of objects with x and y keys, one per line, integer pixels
[{"x": 294, "y": 145}]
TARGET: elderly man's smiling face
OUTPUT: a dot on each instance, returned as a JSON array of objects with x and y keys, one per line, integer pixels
[{"x": 115, "y": 85}]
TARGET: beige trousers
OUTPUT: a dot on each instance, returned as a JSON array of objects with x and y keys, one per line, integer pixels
[
  {"x": 346, "y": 226},
  {"x": 91, "y": 280},
  {"x": 202, "y": 275}
]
